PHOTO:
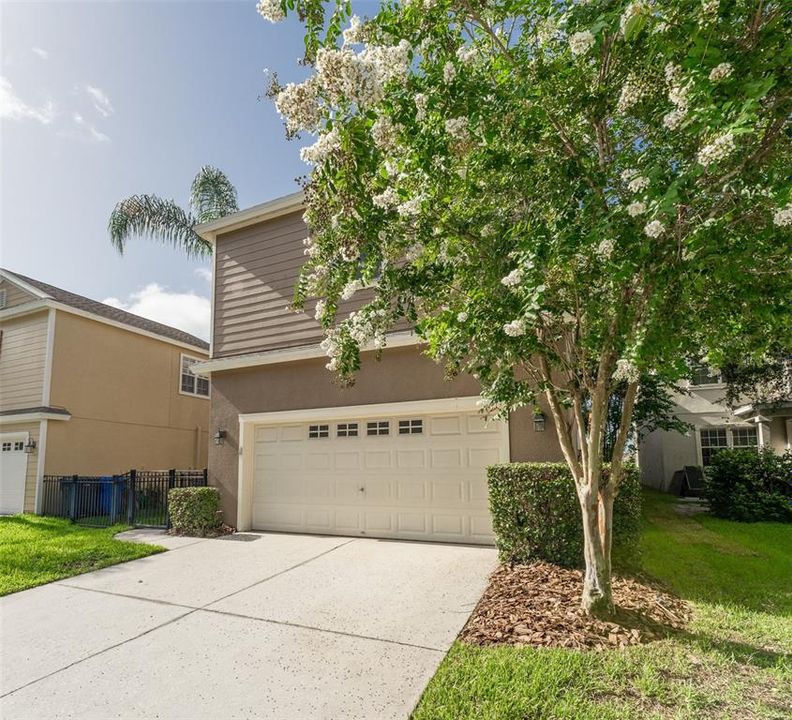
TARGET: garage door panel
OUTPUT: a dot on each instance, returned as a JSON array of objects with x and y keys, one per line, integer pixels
[
  {"x": 347, "y": 460},
  {"x": 318, "y": 461},
  {"x": 445, "y": 425},
  {"x": 426, "y": 483},
  {"x": 410, "y": 459},
  {"x": 482, "y": 457},
  {"x": 377, "y": 459},
  {"x": 374, "y": 521},
  {"x": 450, "y": 458}
]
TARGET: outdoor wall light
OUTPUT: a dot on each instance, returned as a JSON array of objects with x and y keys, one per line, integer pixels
[
  {"x": 539, "y": 421},
  {"x": 219, "y": 437},
  {"x": 30, "y": 445}
]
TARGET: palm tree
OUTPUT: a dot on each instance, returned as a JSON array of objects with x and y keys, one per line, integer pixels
[{"x": 211, "y": 196}]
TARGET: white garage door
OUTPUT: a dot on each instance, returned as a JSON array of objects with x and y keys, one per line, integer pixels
[
  {"x": 417, "y": 476},
  {"x": 13, "y": 470}
]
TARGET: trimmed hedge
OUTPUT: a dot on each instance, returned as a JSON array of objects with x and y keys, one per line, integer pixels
[
  {"x": 195, "y": 511},
  {"x": 750, "y": 486},
  {"x": 536, "y": 514}
]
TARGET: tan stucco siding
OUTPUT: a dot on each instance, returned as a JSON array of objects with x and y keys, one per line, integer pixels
[
  {"x": 22, "y": 360},
  {"x": 256, "y": 269},
  {"x": 15, "y": 295},
  {"x": 122, "y": 390},
  {"x": 403, "y": 374},
  {"x": 99, "y": 447},
  {"x": 31, "y": 474}
]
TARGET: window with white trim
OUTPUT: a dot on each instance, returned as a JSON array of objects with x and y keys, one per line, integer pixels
[
  {"x": 347, "y": 430},
  {"x": 6, "y": 447},
  {"x": 702, "y": 375},
  {"x": 378, "y": 427},
  {"x": 410, "y": 427},
  {"x": 318, "y": 431},
  {"x": 713, "y": 440},
  {"x": 189, "y": 382},
  {"x": 744, "y": 438}
]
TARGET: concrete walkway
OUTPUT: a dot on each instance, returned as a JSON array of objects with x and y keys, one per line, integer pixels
[{"x": 255, "y": 625}]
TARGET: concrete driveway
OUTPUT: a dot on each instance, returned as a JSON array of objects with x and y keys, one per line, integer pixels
[{"x": 257, "y": 625}]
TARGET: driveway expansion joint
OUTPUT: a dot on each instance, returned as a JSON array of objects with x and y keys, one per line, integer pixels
[
  {"x": 323, "y": 630},
  {"x": 98, "y": 652},
  {"x": 279, "y": 573}
]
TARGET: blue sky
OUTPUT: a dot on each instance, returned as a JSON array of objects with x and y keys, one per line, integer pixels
[{"x": 100, "y": 100}]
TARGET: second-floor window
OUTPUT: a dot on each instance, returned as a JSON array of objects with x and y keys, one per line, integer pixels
[
  {"x": 703, "y": 375},
  {"x": 189, "y": 382}
]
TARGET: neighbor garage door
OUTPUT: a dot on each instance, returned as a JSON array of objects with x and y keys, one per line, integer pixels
[
  {"x": 420, "y": 475},
  {"x": 13, "y": 471}
]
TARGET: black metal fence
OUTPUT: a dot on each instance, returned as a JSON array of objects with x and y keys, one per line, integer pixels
[{"x": 139, "y": 497}]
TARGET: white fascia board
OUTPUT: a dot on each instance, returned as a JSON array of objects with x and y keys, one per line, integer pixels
[
  {"x": 375, "y": 410},
  {"x": 23, "y": 285},
  {"x": 32, "y": 417},
  {"x": 251, "y": 216},
  {"x": 303, "y": 352},
  {"x": 27, "y": 308}
]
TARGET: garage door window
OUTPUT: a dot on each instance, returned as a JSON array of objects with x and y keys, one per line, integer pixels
[
  {"x": 318, "y": 431},
  {"x": 347, "y": 430},
  {"x": 378, "y": 427},
  {"x": 410, "y": 427}
]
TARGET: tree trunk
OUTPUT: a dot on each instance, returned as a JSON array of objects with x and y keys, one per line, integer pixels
[{"x": 597, "y": 514}]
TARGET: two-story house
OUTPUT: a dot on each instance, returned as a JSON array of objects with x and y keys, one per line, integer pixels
[
  {"x": 714, "y": 427},
  {"x": 401, "y": 454},
  {"x": 89, "y": 389}
]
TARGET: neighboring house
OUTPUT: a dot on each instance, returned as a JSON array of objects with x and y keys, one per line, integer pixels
[
  {"x": 715, "y": 427},
  {"x": 401, "y": 454},
  {"x": 90, "y": 389}
]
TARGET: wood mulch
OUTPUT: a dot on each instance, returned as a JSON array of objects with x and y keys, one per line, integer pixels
[{"x": 539, "y": 605}]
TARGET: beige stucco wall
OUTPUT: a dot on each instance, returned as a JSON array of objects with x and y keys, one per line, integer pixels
[
  {"x": 122, "y": 390},
  {"x": 403, "y": 374},
  {"x": 22, "y": 360},
  {"x": 32, "y": 428}
]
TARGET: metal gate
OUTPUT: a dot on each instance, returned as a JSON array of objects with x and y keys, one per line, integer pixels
[{"x": 139, "y": 497}]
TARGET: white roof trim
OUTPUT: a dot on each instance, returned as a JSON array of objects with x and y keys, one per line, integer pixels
[
  {"x": 32, "y": 417},
  {"x": 303, "y": 352},
  {"x": 24, "y": 309},
  {"x": 36, "y": 305},
  {"x": 7, "y": 275},
  {"x": 252, "y": 215},
  {"x": 374, "y": 410}
]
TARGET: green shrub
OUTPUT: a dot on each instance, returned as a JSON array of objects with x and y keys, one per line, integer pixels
[
  {"x": 536, "y": 514},
  {"x": 195, "y": 511},
  {"x": 750, "y": 486}
]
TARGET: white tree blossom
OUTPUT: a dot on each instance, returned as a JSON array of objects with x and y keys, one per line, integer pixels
[
  {"x": 581, "y": 42},
  {"x": 721, "y": 72},
  {"x": 271, "y": 10},
  {"x": 654, "y": 229}
]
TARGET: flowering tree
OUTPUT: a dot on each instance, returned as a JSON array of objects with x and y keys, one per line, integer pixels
[{"x": 559, "y": 196}]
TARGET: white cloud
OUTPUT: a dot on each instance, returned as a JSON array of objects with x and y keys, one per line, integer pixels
[
  {"x": 41, "y": 52},
  {"x": 204, "y": 273},
  {"x": 101, "y": 102},
  {"x": 13, "y": 107},
  {"x": 186, "y": 311},
  {"x": 87, "y": 131}
]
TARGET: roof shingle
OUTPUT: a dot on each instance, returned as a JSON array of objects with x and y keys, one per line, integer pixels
[{"x": 109, "y": 312}]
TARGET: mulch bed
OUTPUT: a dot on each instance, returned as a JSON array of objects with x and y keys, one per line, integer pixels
[{"x": 539, "y": 605}]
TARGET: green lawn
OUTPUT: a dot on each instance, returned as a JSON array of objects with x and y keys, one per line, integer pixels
[
  {"x": 36, "y": 550},
  {"x": 734, "y": 662}
]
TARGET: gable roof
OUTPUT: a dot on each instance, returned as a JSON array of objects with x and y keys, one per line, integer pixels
[{"x": 49, "y": 292}]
